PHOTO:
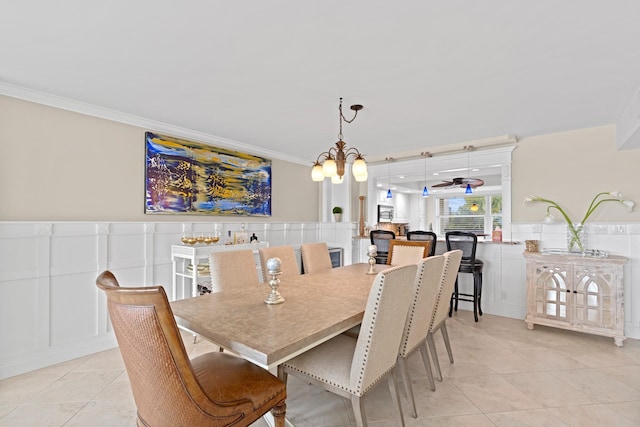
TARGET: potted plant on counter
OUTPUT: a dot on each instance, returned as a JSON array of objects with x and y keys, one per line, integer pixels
[{"x": 337, "y": 213}]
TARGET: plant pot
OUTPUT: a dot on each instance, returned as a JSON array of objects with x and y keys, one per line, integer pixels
[{"x": 337, "y": 217}]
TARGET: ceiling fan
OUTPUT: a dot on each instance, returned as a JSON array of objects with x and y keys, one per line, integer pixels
[
  {"x": 469, "y": 183},
  {"x": 461, "y": 182}
]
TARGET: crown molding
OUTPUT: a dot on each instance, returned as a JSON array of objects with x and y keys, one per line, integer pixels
[{"x": 62, "y": 103}]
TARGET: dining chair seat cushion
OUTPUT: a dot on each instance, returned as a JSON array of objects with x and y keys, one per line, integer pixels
[
  {"x": 337, "y": 355},
  {"x": 222, "y": 385}
]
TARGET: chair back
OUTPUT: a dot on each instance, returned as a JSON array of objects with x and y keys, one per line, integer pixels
[
  {"x": 429, "y": 236},
  {"x": 287, "y": 256},
  {"x": 425, "y": 291},
  {"x": 449, "y": 274},
  {"x": 232, "y": 270},
  {"x": 315, "y": 257},
  {"x": 382, "y": 326},
  {"x": 405, "y": 252},
  {"x": 381, "y": 238},
  {"x": 464, "y": 241},
  {"x": 164, "y": 385}
]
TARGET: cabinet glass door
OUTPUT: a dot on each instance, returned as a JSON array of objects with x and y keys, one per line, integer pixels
[
  {"x": 592, "y": 297},
  {"x": 551, "y": 292}
]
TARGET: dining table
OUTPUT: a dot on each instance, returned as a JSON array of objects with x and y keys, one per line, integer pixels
[{"x": 316, "y": 307}]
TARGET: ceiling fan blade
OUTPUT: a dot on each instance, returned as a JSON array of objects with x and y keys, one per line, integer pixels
[
  {"x": 443, "y": 184},
  {"x": 473, "y": 182}
]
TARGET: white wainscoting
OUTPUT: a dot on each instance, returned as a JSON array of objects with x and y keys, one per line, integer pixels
[{"x": 50, "y": 308}]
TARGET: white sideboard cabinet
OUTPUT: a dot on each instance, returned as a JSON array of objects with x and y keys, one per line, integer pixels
[
  {"x": 192, "y": 262},
  {"x": 579, "y": 293}
]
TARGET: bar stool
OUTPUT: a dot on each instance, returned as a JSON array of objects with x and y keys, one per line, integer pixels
[
  {"x": 381, "y": 238},
  {"x": 467, "y": 243},
  {"x": 429, "y": 236}
]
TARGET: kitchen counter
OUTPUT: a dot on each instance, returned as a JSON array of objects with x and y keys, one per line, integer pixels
[{"x": 504, "y": 242}]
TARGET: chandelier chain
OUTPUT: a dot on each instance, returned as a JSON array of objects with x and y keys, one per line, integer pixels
[{"x": 342, "y": 117}]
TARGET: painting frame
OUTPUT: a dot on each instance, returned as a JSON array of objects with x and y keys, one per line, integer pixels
[{"x": 185, "y": 177}]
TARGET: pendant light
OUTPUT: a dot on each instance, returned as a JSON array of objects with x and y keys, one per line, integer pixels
[
  {"x": 425, "y": 191},
  {"x": 389, "y": 195},
  {"x": 468, "y": 190}
]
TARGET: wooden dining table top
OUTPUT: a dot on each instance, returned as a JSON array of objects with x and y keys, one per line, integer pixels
[{"x": 317, "y": 307}]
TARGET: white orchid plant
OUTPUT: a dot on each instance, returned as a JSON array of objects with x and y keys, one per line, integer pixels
[{"x": 576, "y": 228}]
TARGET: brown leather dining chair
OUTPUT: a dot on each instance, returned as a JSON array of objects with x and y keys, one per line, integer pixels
[{"x": 213, "y": 389}]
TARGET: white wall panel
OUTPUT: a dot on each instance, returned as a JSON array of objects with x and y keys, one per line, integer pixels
[
  {"x": 18, "y": 317},
  {"x": 74, "y": 308},
  {"x": 126, "y": 250},
  {"x": 73, "y": 254},
  {"x": 51, "y": 310}
]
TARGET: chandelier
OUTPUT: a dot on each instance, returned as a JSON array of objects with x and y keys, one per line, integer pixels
[{"x": 331, "y": 163}]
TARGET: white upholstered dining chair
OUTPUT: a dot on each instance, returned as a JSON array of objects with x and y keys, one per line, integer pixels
[
  {"x": 315, "y": 257},
  {"x": 452, "y": 261},
  {"x": 287, "y": 256},
  {"x": 407, "y": 252},
  {"x": 350, "y": 367},
  {"x": 425, "y": 291},
  {"x": 232, "y": 269}
]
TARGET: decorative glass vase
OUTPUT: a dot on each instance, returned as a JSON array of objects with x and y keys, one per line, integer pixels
[{"x": 577, "y": 238}]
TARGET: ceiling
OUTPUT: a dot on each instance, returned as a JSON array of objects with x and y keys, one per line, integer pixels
[{"x": 270, "y": 73}]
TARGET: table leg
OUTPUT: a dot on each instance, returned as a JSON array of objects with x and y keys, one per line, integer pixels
[
  {"x": 174, "y": 282},
  {"x": 194, "y": 278}
]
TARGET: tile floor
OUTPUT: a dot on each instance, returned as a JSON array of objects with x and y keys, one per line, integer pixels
[{"x": 503, "y": 375}]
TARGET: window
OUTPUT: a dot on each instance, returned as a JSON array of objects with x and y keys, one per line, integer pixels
[{"x": 476, "y": 214}]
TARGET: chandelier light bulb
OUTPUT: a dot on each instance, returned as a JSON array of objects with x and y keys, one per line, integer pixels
[
  {"x": 359, "y": 168},
  {"x": 317, "y": 174},
  {"x": 337, "y": 179},
  {"x": 363, "y": 178},
  {"x": 329, "y": 168}
]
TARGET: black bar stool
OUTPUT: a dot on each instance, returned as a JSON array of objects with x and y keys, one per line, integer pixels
[
  {"x": 381, "y": 238},
  {"x": 467, "y": 243},
  {"x": 429, "y": 236}
]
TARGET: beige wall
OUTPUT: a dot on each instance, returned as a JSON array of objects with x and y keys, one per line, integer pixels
[
  {"x": 570, "y": 168},
  {"x": 59, "y": 165},
  {"x": 64, "y": 166}
]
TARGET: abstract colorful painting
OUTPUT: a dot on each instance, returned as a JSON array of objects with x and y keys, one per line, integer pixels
[{"x": 184, "y": 177}]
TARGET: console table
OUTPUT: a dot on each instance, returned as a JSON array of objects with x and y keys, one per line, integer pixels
[
  {"x": 187, "y": 263},
  {"x": 578, "y": 293}
]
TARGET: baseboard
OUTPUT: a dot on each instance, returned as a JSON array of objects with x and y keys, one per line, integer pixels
[{"x": 52, "y": 356}]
